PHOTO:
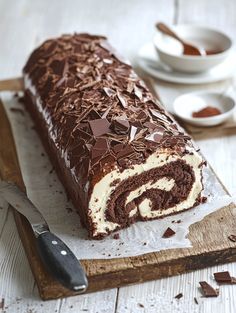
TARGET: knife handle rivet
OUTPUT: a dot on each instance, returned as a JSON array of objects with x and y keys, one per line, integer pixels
[
  {"x": 63, "y": 252},
  {"x": 54, "y": 242}
]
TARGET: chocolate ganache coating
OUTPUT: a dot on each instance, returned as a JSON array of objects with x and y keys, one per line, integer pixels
[{"x": 96, "y": 116}]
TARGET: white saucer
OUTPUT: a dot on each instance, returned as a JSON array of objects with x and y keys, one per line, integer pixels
[{"x": 150, "y": 63}]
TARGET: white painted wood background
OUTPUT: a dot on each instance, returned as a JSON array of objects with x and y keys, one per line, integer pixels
[{"x": 128, "y": 24}]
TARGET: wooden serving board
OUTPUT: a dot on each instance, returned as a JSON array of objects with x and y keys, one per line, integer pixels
[{"x": 209, "y": 238}]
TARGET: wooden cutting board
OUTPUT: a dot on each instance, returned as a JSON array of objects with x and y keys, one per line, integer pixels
[{"x": 209, "y": 238}]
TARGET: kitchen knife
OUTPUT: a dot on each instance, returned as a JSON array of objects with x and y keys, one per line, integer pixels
[{"x": 55, "y": 254}]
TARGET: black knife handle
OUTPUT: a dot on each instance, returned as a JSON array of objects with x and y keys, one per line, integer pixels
[{"x": 61, "y": 262}]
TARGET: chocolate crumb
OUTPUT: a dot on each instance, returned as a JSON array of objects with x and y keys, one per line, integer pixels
[
  {"x": 232, "y": 238},
  {"x": 195, "y": 300},
  {"x": 140, "y": 305},
  {"x": 179, "y": 295},
  {"x": 203, "y": 199},
  {"x": 116, "y": 236},
  {"x": 208, "y": 290},
  {"x": 168, "y": 233},
  {"x": 50, "y": 172}
]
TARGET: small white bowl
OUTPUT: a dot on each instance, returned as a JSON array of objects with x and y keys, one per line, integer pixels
[
  {"x": 188, "y": 103},
  {"x": 170, "y": 51}
]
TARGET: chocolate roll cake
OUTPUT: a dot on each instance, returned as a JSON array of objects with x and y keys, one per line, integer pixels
[{"x": 119, "y": 154}]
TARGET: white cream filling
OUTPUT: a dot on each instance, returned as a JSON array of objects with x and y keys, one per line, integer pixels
[{"x": 104, "y": 188}]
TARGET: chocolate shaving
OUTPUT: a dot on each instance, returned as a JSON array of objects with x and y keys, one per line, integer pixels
[
  {"x": 89, "y": 85},
  {"x": 109, "y": 92},
  {"x": 122, "y": 100},
  {"x": 158, "y": 115},
  {"x": 208, "y": 290},
  {"x": 138, "y": 92},
  {"x": 168, "y": 233},
  {"x": 99, "y": 126}
]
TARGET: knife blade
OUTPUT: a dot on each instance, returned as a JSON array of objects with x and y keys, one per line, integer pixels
[{"x": 55, "y": 254}]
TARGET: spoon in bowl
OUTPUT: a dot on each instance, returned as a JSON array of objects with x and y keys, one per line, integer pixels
[{"x": 189, "y": 49}]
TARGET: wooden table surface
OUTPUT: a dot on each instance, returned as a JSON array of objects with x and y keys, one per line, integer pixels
[{"x": 128, "y": 24}]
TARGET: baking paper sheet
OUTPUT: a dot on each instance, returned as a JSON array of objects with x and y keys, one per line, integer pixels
[{"x": 46, "y": 192}]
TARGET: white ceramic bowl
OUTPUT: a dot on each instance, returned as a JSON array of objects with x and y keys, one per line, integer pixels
[
  {"x": 188, "y": 103},
  {"x": 170, "y": 51}
]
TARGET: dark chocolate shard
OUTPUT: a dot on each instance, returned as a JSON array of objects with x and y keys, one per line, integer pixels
[
  {"x": 120, "y": 127},
  {"x": 138, "y": 92},
  {"x": 125, "y": 151},
  {"x": 99, "y": 149},
  {"x": 122, "y": 100},
  {"x": 208, "y": 290},
  {"x": 224, "y": 278},
  {"x": 141, "y": 116},
  {"x": 158, "y": 115},
  {"x": 168, "y": 233},
  {"x": 99, "y": 126}
]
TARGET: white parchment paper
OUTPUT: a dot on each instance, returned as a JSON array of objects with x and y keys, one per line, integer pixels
[{"x": 46, "y": 192}]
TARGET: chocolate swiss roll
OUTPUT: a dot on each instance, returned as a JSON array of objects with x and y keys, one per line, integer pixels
[{"x": 118, "y": 153}]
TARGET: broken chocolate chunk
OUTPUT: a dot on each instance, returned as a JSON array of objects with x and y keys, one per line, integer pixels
[
  {"x": 168, "y": 233},
  {"x": 99, "y": 126},
  {"x": 224, "y": 278},
  {"x": 208, "y": 290}
]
